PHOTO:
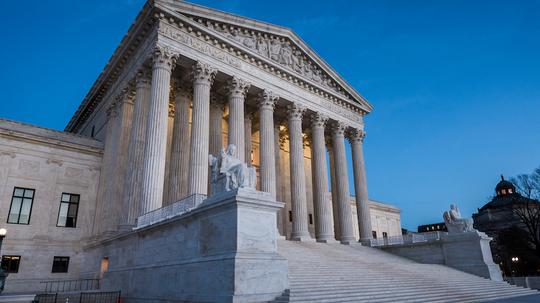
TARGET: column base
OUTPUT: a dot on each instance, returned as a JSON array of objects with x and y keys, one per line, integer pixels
[
  {"x": 347, "y": 241},
  {"x": 326, "y": 239},
  {"x": 302, "y": 238}
]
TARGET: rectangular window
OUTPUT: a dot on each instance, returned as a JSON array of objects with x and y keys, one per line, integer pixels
[
  {"x": 310, "y": 219},
  {"x": 290, "y": 216},
  {"x": 11, "y": 263},
  {"x": 21, "y": 206},
  {"x": 374, "y": 234},
  {"x": 60, "y": 264},
  {"x": 385, "y": 234},
  {"x": 69, "y": 207}
]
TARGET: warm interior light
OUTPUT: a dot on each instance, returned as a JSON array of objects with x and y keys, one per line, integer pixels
[{"x": 3, "y": 232}]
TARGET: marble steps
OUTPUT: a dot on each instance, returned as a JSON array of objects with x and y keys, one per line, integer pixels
[
  {"x": 341, "y": 273},
  {"x": 432, "y": 297},
  {"x": 410, "y": 294}
]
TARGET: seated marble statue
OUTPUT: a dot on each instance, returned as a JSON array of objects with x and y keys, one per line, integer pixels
[
  {"x": 230, "y": 173},
  {"x": 455, "y": 223}
]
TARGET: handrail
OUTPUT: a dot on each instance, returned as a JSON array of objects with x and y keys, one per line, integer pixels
[
  {"x": 173, "y": 210},
  {"x": 55, "y": 286}
]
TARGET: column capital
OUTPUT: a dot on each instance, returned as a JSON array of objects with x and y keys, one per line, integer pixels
[
  {"x": 171, "y": 109},
  {"x": 356, "y": 135},
  {"x": 203, "y": 73},
  {"x": 338, "y": 128},
  {"x": 143, "y": 77},
  {"x": 318, "y": 120},
  {"x": 182, "y": 88},
  {"x": 217, "y": 102},
  {"x": 237, "y": 87},
  {"x": 112, "y": 110},
  {"x": 295, "y": 111},
  {"x": 126, "y": 95},
  {"x": 163, "y": 57},
  {"x": 267, "y": 100}
]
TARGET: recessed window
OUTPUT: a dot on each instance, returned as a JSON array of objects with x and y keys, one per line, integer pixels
[
  {"x": 374, "y": 234},
  {"x": 60, "y": 264},
  {"x": 385, "y": 234},
  {"x": 11, "y": 263},
  {"x": 510, "y": 190},
  {"x": 310, "y": 219},
  {"x": 21, "y": 206},
  {"x": 69, "y": 207},
  {"x": 290, "y": 215},
  {"x": 504, "y": 191}
]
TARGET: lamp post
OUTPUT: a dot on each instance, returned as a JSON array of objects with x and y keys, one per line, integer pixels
[{"x": 3, "y": 274}]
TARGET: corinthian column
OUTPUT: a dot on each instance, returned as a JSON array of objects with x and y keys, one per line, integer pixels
[
  {"x": 342, "y": 184},
  {"x": 356, "y": 138},
  {"x": 298, "y": 182},
  {"x": 321, "y": 205},
  {"x": 248, "y": 122},
  {"x": 237, "y": 93},
  {"x": 132, "y": 196},
  {"x": 179, "y": 163},
  {"x": 217, "y": 107},
  {"x": 155, "y": 150},
  {"x": 335, "y": 213},
  {"x": 203, "y": 75},
  {"x": 267, "y": 154}
]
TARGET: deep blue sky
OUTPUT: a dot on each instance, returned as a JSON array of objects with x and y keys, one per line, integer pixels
[{"x": 455, "y": 84}]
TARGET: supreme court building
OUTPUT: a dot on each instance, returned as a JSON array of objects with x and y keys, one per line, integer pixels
[{"x": 185, "y": 82}]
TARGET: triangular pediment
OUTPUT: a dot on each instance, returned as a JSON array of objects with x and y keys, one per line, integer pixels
[{"x": 278, "y": 44}]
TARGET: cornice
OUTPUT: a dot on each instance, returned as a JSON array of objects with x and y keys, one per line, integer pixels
[
  {"x": 185, "y": 24},
  {"x": 134, "y": 37},
  {"x": 201, "y": 13}
]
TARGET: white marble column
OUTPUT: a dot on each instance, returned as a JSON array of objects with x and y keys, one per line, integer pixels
[
  {"x": 217, "y": 107},
  {"x": 342, "y": 184},
  {"x": 132, "y": 196},
  {"x": 267, "y": 154},
  {"x": 321, "y": 205},
  {"x": 237, "y": 92},
  {"x": 179, "y": 162},
  {"x": 335, "y": 213},
  {"x": 248, "y": 147},
  {"x": 300, "y": 230},
  {"x": 356, "y": 138},
  {"x": 281, "y": 216},
  {"x": 200, "y": 128},
  {"x": 155, "y": 149}
]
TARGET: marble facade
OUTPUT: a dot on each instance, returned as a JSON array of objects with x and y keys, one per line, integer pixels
[{"x": 185, "y": 82}]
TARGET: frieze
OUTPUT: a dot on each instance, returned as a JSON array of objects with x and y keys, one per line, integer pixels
[
  {"x": 276, "y": 48},
  {"x": 184, "y": 38},
  {"x": 190, "y": 40}
]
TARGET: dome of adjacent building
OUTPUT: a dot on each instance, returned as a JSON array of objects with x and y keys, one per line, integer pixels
[{"x": 504, "y": 187}]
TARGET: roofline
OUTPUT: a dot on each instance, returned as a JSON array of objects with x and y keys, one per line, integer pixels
[
  {"x": 206, "y": 12},
  {"x": 114, "y": 60}
]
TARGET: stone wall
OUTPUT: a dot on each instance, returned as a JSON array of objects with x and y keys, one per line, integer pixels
[
  {"x": 468, "y": 252},
  {"x": 51, "y": 163},
  {"x": 224, "y": 250}
]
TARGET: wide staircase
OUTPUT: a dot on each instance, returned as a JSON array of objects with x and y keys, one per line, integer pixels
[{"x": 354, "y": 273}]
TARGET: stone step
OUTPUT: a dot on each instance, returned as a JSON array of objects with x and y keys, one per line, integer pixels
[
  {"x": 402, "y": 295},
  {"x": 438, "y": 298},
  {"x": 341, "y": 273}
]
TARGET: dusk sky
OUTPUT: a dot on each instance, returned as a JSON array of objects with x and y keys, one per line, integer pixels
[{"x": 455, "y": 85}]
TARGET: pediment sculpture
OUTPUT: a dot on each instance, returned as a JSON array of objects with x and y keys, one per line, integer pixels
[
  {"x": 230, "y": 173},
  {"x": 455, "y": 223}
]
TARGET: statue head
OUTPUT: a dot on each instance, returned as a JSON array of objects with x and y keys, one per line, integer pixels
[
  {"x": 453, "y": 206},
  {"x": 231, "y": 150}
]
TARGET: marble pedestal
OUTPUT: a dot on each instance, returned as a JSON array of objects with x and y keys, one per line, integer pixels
[
  {"x": 225, "y": 250},
  {"x": 467, "y": 251},
  {"x": 470, "y": 252}
]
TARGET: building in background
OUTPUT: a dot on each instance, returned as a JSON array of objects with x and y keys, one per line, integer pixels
[{"x": 500, "y": 219}]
